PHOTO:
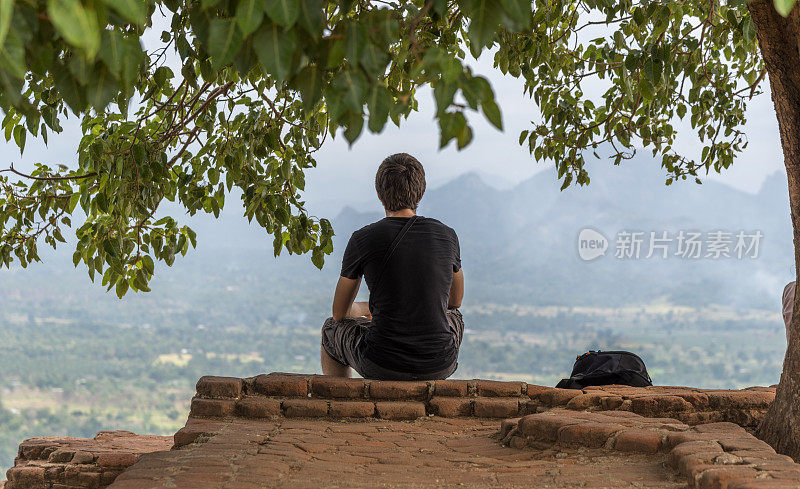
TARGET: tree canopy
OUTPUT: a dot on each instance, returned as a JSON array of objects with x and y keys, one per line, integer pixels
[{"x": 241, "y": 93}]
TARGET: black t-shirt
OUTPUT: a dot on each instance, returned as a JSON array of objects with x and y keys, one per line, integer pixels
[{"x": 409, "y": 331}]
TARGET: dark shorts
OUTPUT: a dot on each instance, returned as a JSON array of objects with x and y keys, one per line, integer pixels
[{"x": 342, "y": 341}]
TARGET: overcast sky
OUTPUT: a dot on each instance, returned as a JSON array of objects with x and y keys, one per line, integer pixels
[{"x": 344, "y": 175}]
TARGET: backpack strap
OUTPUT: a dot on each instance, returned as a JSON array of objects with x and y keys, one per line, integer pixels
[{"x": 389, "y": 253}]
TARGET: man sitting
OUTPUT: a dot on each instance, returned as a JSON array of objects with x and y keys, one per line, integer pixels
[{"x": 411, "y": 328}]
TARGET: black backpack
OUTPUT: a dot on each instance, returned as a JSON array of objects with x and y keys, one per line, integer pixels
[{"x": 606, "y": 368}]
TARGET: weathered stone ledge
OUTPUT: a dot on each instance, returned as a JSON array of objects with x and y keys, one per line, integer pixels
[
  {"x": 653, "y": 420},
  {"x": 294, "y": 395},
  {"x": 91, "y": 463},
  {"x": 710, "y": 456}
]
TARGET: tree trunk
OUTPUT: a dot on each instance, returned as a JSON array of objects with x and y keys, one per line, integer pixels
[{"x": 779, "y": 40}]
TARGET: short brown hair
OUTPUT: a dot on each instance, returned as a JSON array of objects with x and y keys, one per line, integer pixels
[{"x": 400, "y": 182}]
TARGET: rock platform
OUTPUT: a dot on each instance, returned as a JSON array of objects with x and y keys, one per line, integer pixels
[
  {"x": 289, "y": 430},
  {"x": 68, "y": 462}
]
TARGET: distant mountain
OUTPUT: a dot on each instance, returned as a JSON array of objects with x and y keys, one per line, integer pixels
[{"x": 518, "y": 245}]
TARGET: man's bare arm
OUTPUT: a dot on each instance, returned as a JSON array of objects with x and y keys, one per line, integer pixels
[
  {"x": 344, "y": 297},
  {"x": 456, "y": 289}
]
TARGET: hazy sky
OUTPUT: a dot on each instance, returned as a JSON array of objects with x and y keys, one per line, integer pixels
[
  {"x": 498, "y": 155},
  {"x": 345, "y": 174}
]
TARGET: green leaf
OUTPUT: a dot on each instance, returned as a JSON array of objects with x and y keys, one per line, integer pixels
[
  {"x": 140, "y": 281},
  {"x": 373, "y": 59},
  {"x": 249, "y": 14},
  {"x": 73, "y": 201},
  {"x": 355, "y": 38},
  {"x": 486, "y": 16},
  {"x": 492, "y": 113},
  {"x": 519, "y": 11},
  {"x": 310, "y": 16},
  {"x": 122, "y": 56},
  {"x": 784, "y": 6},
  {"x": 452, "y": 124},
  {"x": 148, "y": 264},
  {"x": 132, "y": 10},
  {"x": 6, "y": 12},
  {"x": 748, "y": 29},
  {"x": 12, "y": 55},
  {"x": 224, "y": 41},
  {"x": 444, "y": 93},
  {"x": 80, "y": 69},
  {"x": 162, "y": 75},
  {"x": 204, "y": 4},
  {"x": 275, "y": 50},
  {"x": 309, "y": 83},
  {"x": 354, "y": 87},
  {"x": 284, "y": 12},
  {"x": 72, "y": 93},
  {"x": 102, "y": 89},
  {"x": 379, "y": 102},
  {"x": 122, "y": 287},
  {"x": 76, "y": 24},
  {"x": 355, "y": 123},
  {"x": 639, "y": 16},
  {"x": 19, "y": 137},
  {"x": 318, "y": 258}
]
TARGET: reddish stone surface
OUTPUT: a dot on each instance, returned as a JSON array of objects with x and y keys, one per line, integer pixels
[
  {"x": 85, "y": 463},
  {"x": 747, "y": 399},
  {"x": 335, "y": 387},
  {"x": 712, "y": 456},
  {"x": 116, "y": 459},
  {"x": 557, "y": 397},
  {"x": 195, "y": 428},
  {"x": 451, "y": 388},
  {"x": 212, "y": 407},
  {"x": 593, "y": 435},
  {"x": 258, "y": 407},
  {"x": 304, "y": 408},
  {"x": 428, "y": 452},
  {"x": 352, "y": 409},
  {"x": 494, "y": 388},
  {"x": 655, "y": 405},
  {"x": 428, "y": 431},
  {"x": 451, "y": 407},
  {"x": 486, "y": 407},
  {"x": 638, "y": 440},
  {"x": 219, "y": 387},
  {"x": 390, "y": 390},
  {"x": 279, "y": 385},
  {"x": 585, "y": 402},
  {"x": 400, "y": 410},
  {"x": 533, "y": 390},
  {"x": 723, "y": 477}
]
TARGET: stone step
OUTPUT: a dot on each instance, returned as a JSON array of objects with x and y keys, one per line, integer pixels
[
  {"x": 297, "y": 395},
  {"x": 62, "y": 462},
  {"x": 710, "y": 456}
]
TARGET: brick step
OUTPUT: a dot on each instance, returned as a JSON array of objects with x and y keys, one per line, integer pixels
[
  {"x": 297, "y": 395},
  {"x": 79, "y": 462},
  {"x": 710, "y": 456}
]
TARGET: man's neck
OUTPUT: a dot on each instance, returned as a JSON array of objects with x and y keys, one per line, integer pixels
[{"x": 401, "y": 213}]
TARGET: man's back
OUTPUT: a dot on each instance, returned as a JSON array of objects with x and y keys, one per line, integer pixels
[{"x": 410, "y": 331}]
